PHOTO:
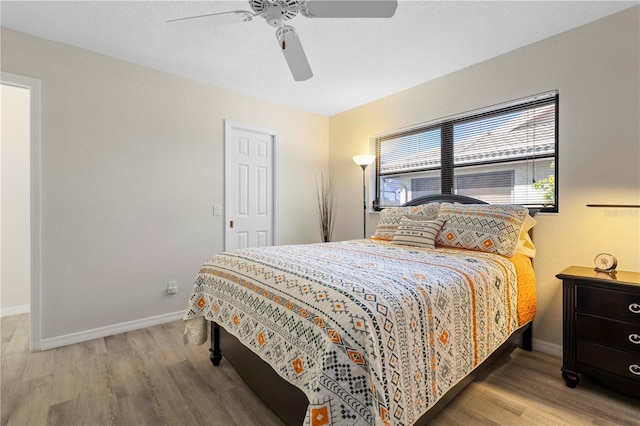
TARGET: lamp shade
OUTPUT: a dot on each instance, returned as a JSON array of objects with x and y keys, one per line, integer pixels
[{"x": 364, "y": 159}]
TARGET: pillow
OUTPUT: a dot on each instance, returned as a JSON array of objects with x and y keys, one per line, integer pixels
[
  {"x": 525, "y": 244},
  {"x": 390, "y": 218},
  {"x": 493, "y": 228},
  {"x": 418, "y": 233}
]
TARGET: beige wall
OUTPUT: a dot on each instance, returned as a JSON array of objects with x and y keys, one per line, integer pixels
[
  {"x": 596, "y": 69},
  {"x": 15, "y": 200},
  {"x": 132, "y": 163}
]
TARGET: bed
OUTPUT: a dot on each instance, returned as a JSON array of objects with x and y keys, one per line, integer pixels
[{"x": 384, "y": 330}]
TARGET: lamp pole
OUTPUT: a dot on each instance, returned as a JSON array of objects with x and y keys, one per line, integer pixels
[
  {"x": 364, "y": 202},
  {"x": 364, "y": 161}
]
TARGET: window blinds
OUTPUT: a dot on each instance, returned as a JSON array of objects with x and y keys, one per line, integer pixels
[{"x": 502, "y": 154}]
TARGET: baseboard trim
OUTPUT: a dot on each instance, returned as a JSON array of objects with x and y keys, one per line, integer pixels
[
  {"x": 110, "y": 330},
  {"x": 96, "y": 333},
  {"x": 541, "y": 346},
  {"x": 548, "y": 348},
  {"x": 15, "y": 310}
]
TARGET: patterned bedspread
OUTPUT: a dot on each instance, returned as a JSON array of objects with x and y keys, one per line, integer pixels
[{"x": 373, "y": 333}]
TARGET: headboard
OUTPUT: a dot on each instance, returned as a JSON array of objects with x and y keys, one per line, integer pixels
[
  {"x": 452, "y": 198},
  {"x": 443, "y": 198}
]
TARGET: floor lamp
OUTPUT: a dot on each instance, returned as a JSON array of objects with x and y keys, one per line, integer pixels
[{"x": 364, "y": 161}]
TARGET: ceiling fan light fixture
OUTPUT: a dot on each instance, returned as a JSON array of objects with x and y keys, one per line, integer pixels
[
  {"x": 277, "y": 12},
  {"x": 275, "y": 15}
]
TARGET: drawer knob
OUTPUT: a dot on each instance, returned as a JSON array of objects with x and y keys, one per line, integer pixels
[
  {"x": 635, "y": 308},
  {"x": 634, "y": 338},
  {"x": 635, "y": 369}
]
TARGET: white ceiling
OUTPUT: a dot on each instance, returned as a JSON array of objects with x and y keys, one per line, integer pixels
[{"x": 354, "y": 61}]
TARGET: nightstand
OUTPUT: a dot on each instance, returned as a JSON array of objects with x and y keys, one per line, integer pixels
[{"x": 601, "y": 327}]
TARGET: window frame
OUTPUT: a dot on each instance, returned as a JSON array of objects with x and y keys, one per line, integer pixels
[{"x": 447, "y": 165}]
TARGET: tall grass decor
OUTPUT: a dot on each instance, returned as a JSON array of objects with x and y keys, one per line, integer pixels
[{"x": 326, "y": 194}]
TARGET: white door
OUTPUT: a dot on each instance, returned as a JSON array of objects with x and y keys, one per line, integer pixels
[{"x": 250, "y": 187}]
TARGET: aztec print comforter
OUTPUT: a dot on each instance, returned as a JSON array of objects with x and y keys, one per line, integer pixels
[{"x": 373, "y": 333}]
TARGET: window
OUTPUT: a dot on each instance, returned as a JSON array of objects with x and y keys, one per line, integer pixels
[
  {"x": 496, "y": 185},
  {"x": 506, "y": 154}
]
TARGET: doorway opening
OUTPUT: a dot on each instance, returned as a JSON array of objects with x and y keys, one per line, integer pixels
[{"x": 20, "y": 200}]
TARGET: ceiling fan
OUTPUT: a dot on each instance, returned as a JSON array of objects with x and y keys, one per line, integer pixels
[{"x": 277, "y": 12}]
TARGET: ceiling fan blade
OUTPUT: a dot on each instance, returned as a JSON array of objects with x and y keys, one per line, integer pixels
[
  {"x": 211, "y": 20},
  {"x": 294, "y": 53},
  {"x": 348, "y": 8}
]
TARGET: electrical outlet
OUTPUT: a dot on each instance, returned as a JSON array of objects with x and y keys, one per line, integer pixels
[{"x": 172, "y": 287}]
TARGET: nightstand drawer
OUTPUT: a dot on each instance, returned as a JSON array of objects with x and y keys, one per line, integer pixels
[
  {"x": 614, "y": 304},
  {"x": 601, "y": 327},
  {"x": 622, "y": 335},
  {"x": 621, "y": 363}
]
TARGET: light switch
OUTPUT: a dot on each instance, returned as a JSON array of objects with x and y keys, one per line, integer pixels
[{"x": 217, "y": 209}]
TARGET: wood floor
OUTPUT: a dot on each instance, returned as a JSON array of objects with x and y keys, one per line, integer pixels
[{"x": 148, "y": 377}]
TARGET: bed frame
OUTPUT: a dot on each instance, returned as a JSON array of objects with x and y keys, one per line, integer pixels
[{"x": 290, "y": 403}]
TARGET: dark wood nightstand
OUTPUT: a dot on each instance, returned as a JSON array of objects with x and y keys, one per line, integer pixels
[{"x": 601, "y": 330}]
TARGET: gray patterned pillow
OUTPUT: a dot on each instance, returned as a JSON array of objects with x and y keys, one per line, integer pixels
[
  {"x": 493, "y": 228},
  {"x": 390, "y": 218},
  {"x": 418, "y": 233}
]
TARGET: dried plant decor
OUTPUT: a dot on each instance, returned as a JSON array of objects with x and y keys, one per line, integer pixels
[{"x": 325, "y": 194}]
